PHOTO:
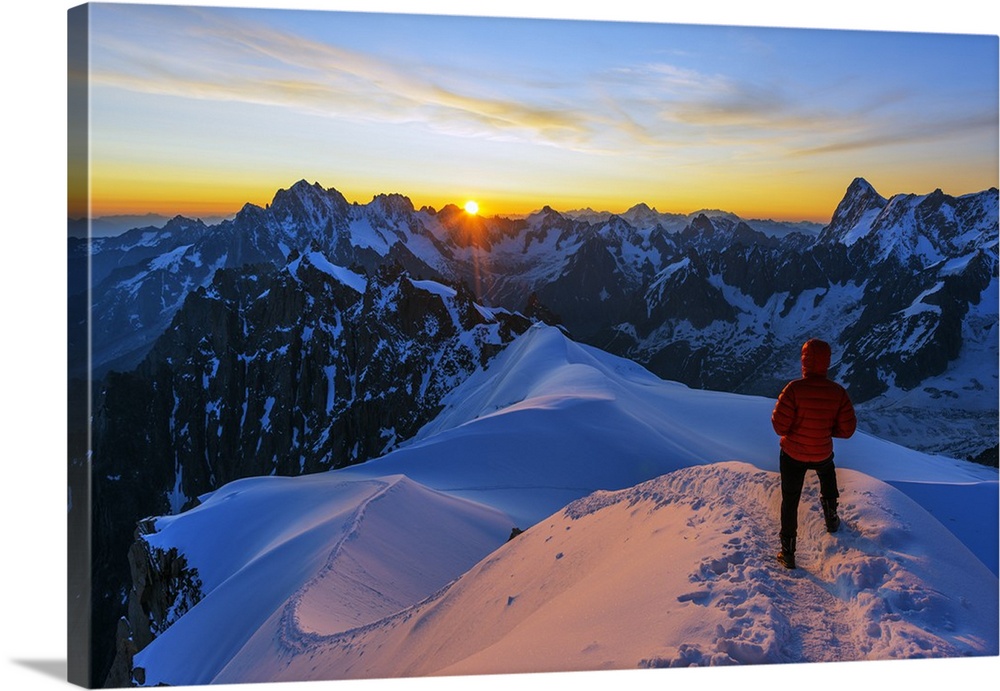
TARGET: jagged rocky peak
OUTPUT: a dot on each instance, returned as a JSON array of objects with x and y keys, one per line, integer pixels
[
  {"x": 449, "y": 210},
  {"x": 309, "y": 196},
  {"x": 179, "y": 222},
  {"x": 617, "y": 227},
  {"x": 713, "y": 213},
  {"x": 394, "y": 206},
  {"x": 250, "y": 210},
  {"x": 744, "y": 234},
  {"x": 939, "y": 210},
  {"x": 862, "y": 190},
  {"x": 464, "y": 229},
  {"x": 545, "y": 217},
  {"x": 925, "y": 229},
  {"x": 859, "y": 200},
  {"x": 299, "y": 189},
  {"x": 586, "y": 215},
  {"x": 642, "y": 215},
  {"x": 702, "y": 225}
]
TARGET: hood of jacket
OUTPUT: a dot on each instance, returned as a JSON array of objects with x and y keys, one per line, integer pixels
[{"x": 815, "y": 358}]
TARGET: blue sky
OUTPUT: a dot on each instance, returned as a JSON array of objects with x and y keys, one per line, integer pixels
[{"x": 196, "y": 109}]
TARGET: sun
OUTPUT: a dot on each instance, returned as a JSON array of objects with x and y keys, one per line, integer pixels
[{"x": 471, "y": 207}]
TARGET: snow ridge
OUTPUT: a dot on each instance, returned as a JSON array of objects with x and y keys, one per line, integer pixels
[{"x": 675, "y": 568}]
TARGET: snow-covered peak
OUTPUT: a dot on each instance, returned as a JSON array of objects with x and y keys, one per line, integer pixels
[
  {"x": 702, "y": 224},
  {"x": 544, "y": 216},
  {"x": 713, "y": 213},
  {"x": 855, "y": 213},
  {"x": 181, "y": 223},
  {"x": 305, "y": 210},
  {"x": 540, "y": 368},
  {"x": 860, "y": 189},
  {"x": 643, "y": 216},
  {"x": 616, "y": 231},
  {"x": 392, "y": 206},
  {"x": 587, "y": 394},
  {"x": 587, "y": 215},
  {"x": 921, "y": 229},
  {"x": 306, "y": 190}
]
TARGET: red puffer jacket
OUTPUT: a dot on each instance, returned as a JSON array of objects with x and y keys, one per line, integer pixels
[{"x": 812, "y": 410}]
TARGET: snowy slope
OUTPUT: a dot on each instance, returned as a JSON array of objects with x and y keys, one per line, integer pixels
[
  {"x": 676, "y": 571},
  {"x": 679, "y": 571},
  {"x": 553, "y": 414},
  {"x": 316, "y": 553}
]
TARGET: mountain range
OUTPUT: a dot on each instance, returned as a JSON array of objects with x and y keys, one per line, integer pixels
[
  {"x": 315, "y": 334},
  {"x": 904, "y": 288}
]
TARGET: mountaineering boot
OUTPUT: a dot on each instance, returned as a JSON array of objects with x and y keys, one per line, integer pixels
[
  {"x": 830, "y": 514},
  {"x": 786, "y": 557}
]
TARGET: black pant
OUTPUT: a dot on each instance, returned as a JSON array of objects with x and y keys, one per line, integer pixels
[{"x": 793, "y": 474}]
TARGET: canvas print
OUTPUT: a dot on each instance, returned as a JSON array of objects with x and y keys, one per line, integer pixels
[{"x": 420, "y": 345}]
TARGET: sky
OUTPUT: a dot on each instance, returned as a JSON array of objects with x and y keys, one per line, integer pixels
[{"x": 198, "y": 110}]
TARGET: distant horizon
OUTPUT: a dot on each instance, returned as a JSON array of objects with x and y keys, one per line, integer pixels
[
  {"x": 485, "y": 213},
  {"x": 438, "y": 208},
  {"x": 196, "y": 111}
]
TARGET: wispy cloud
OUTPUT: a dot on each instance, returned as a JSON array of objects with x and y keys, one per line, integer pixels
[
  {"x": 653, "y": 106},
  {"x": 251, "y": 63},
  {"x": 663, "y": 105},
  {"x": 668, "y": 106},
  {"x": 915, "y": 131}
]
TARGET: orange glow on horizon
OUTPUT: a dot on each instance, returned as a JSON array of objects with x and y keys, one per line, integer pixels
[
  {"x": 122, "y": 196},
  {"x": 199, "y": 193},
  {"x": 195, "y": 202},
  {"x": 201, "y": 196}
]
